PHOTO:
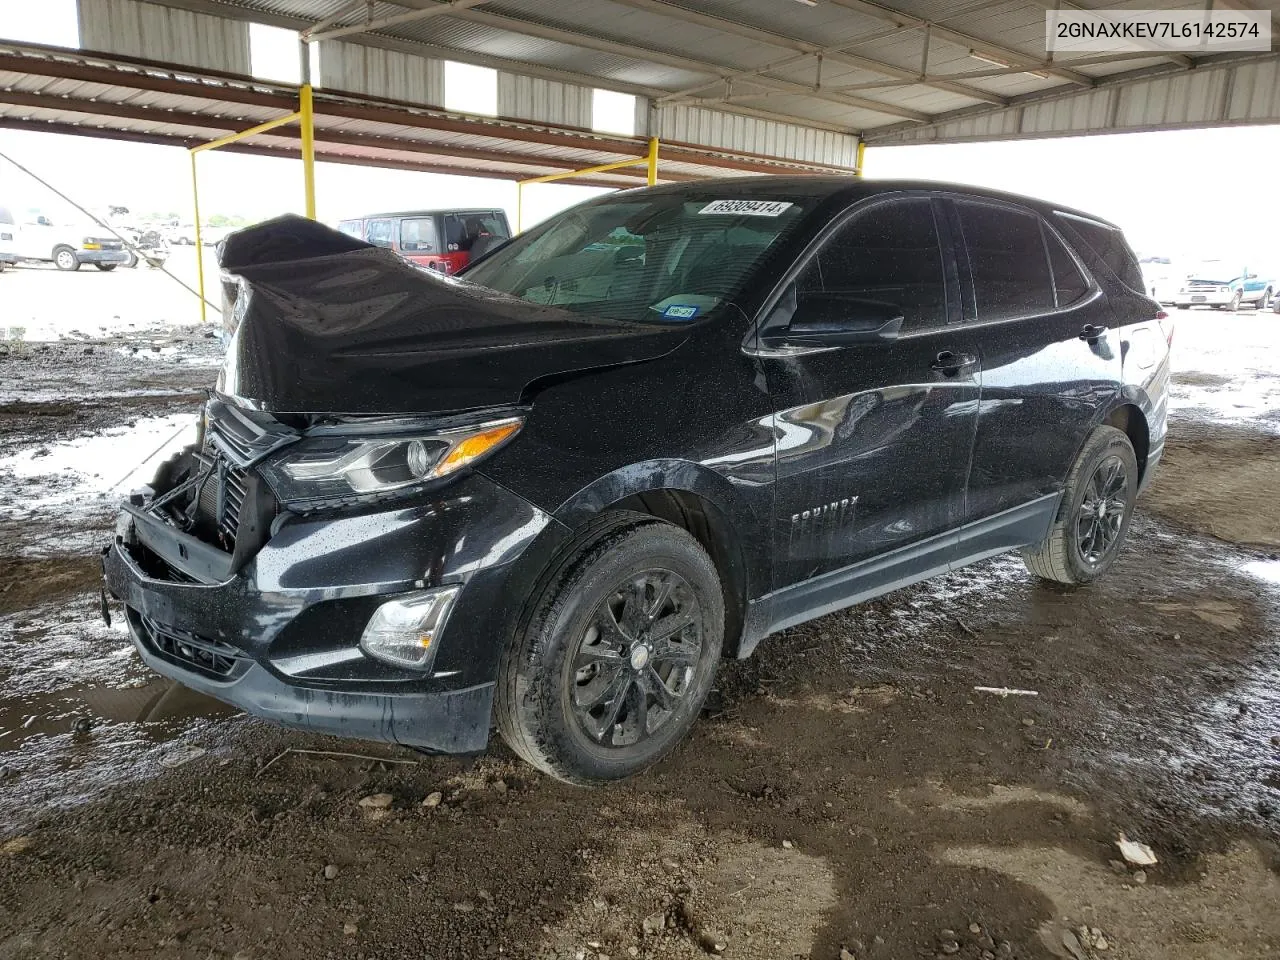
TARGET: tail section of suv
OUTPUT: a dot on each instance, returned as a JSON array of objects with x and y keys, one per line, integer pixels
[
  {"x": 443, "y": 240},
  {"x": 645, "y": 435}
]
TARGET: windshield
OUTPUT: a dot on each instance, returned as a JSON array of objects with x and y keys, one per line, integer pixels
[{"x": 667, "y": 259}]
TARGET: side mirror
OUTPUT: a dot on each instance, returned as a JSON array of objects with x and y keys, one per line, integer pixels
[
  {"x": 1251, "y": 276},
  {"x": 830, "y": 320}
]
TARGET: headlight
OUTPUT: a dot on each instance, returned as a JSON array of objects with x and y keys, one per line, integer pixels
[
  {"x": 406, "y": 631},
  {"x": 339, "y": 466},
  {"x": 1224, "y": 289},
  {"x": 88, "y": 244}
]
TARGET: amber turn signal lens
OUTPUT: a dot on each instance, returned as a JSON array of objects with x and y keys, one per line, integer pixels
[{"x": 476, "y": 445}]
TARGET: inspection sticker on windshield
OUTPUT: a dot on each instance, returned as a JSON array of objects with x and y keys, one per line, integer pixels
[
  {"x": 679, "y": 311},
  {"x": 748, "y": 208}
]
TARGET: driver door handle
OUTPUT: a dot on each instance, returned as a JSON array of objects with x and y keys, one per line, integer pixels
[
  {"x": 952, "y": 363},
  {"x": 1092, "y": 333}
]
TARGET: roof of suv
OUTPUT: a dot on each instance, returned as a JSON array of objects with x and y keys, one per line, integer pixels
[{"x": 852, "y": 188}]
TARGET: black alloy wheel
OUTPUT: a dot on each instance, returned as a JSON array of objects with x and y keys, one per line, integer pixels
[
  {"x": 637, "y": 659},
  {"x": 615, "y": 651},
  {"x": 1102, "y": 511}
]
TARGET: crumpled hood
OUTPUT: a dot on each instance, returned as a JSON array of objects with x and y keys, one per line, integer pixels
[{"x": 321, "y": 322}]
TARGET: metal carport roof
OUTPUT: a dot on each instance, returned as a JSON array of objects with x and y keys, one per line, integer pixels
[{"x": 729, "y": 86}]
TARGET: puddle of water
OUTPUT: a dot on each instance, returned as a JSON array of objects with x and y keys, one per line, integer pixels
[
  {"x": 158, "y": 705},
  {"x": 92, "y": 468}
]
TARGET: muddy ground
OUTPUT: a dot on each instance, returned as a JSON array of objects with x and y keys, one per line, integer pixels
[{"x": 848, "y": 792}]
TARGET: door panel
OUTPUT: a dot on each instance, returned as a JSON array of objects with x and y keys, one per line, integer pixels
[
  {"x": 1045, "y": 380},
  {"x": 873, "y": 439}
]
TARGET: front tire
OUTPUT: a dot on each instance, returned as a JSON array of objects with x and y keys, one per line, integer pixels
[
  {"x": 64, "y": 258},
  {"x": 105, "y": 267},
  {"x": 1093, "y": 518},
  {"x": 615, "y": 653}
]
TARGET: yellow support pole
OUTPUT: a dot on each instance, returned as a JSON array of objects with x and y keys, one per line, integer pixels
[
  {"x": 195, "y": 198},
  {"x": 306, "y": 119},
  {"x": 652, "y": 162},
  {"x": 860, "y": 158}
]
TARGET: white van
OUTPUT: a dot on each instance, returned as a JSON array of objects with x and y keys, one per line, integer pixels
[
  {"x": 68, "y": 246},
  {"x": 8, "y": 239}
]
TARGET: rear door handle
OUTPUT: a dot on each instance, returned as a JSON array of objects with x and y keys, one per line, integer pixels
[
  {"x": 952, "y": 363},
  {"x": 1092, "y": 333}
]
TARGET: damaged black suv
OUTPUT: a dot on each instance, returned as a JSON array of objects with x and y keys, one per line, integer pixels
[{"x": 552, "y": 494}]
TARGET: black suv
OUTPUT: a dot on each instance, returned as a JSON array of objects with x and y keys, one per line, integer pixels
[{"x": 663, "y": 425}]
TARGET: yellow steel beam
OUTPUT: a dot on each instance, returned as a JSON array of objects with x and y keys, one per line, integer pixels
[
  {"x": 251, "y": 132},
  {"x": 306, "y": 118},
  {"x": 195, "y": 199},
  {"x": 599, "y": 168},
  {"x": 652, "y": 161},
  {"x": 859, "y": 158}
]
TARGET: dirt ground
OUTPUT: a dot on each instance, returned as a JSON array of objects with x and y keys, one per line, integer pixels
[{"x": 848, "y": 792}]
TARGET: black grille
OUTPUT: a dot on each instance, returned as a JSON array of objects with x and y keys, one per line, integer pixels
[
  {"x": 222, "y": 498},
  {"x": 199, "y": 654},
  {"x": 233, "y": 493}
]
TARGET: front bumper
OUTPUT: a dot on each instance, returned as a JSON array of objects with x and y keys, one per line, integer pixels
[
  {"x": 102, "y": 256},
  {"x": 280, "y": 638}
]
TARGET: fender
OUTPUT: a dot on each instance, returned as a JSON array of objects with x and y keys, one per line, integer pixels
[{"x": 738, "y": 528}]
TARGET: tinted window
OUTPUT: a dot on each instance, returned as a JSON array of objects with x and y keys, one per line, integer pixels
[
  {"x": 379, "y": 232},
  {"x": 890, "y": 253},
  {"x": 1109, "y": 244},
  {"x": 418, "y": 235},
  {"x": 671, "y": 257},
  {"x": 1069, "y": 284},
  {"x": 1007, "y": 261}
]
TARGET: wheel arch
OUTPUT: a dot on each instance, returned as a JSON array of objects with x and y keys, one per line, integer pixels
[
  {"x": 705, "y": 504},
  {"x": 1129, "y": 419}
]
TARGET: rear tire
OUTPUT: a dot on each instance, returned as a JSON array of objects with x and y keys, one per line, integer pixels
[
  {"x": 64, "y": 258},
  {"x": 615, "y": 653},
  {"x": 1093, "y": 518},
  {"x": 105, "y": 267}
]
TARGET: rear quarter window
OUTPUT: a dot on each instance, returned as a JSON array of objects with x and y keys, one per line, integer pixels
[{"x": 1109, "y": 245}]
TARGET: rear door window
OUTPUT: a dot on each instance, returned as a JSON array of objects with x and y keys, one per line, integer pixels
[
  {"x": 1007, "y": 260},
  {"x": 419, "y": 235},
  {"x": 380, "y": 232},
  {"x": 891, "y": 253}
]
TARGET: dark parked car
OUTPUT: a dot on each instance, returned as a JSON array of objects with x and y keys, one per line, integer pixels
[
  {"x": 639, "y": 438},
  {"x": 444, "y": 240}
]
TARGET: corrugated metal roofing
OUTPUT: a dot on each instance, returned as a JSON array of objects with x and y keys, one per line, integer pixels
[
  {"x": 57, "y": 90},
  {"x": 738, "y": 75}
]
